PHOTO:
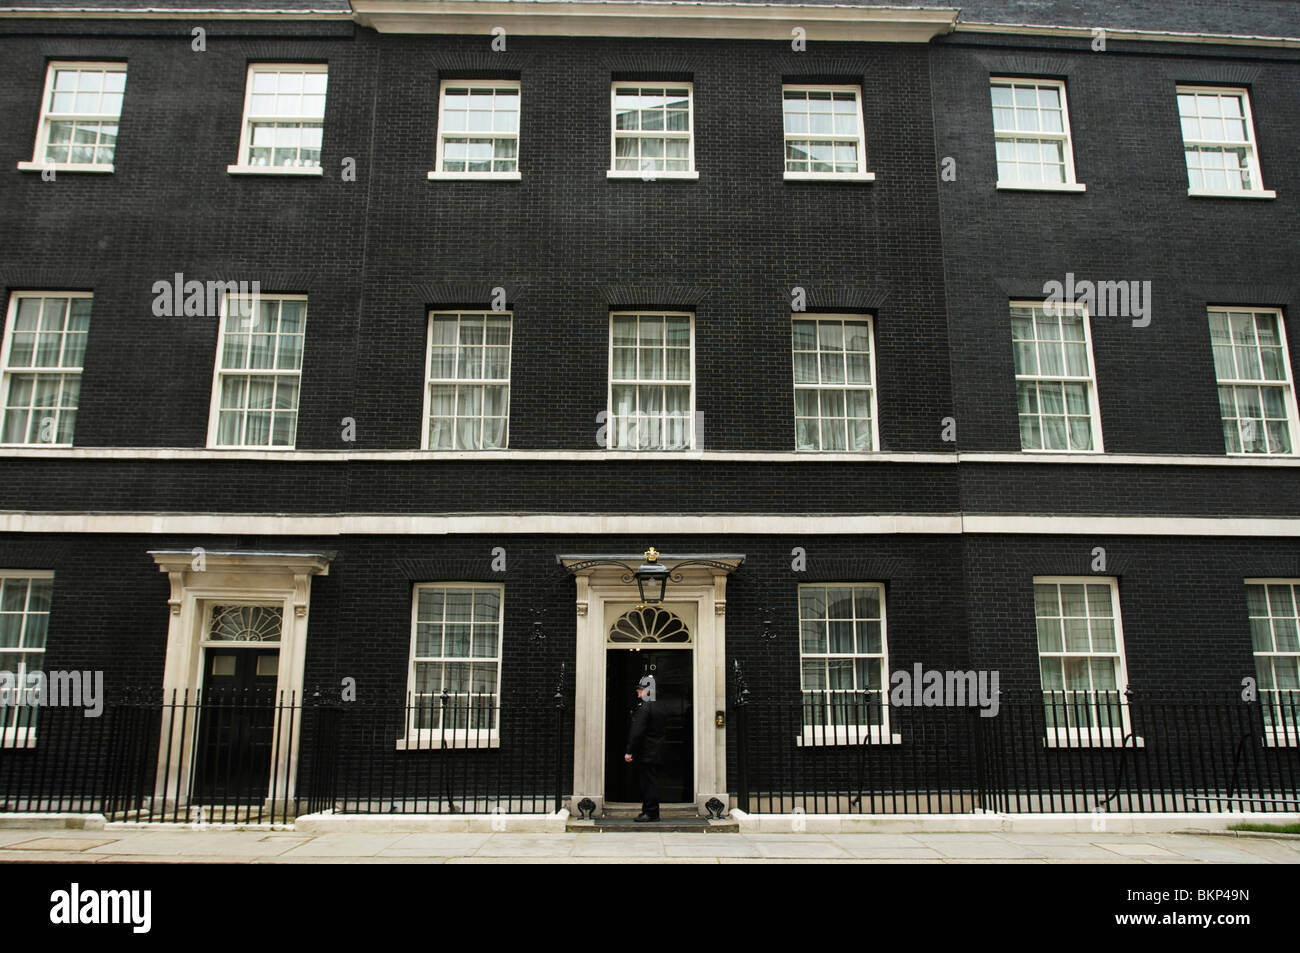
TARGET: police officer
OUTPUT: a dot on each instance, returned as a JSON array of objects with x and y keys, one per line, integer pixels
[{"x": 645, "y": 743}]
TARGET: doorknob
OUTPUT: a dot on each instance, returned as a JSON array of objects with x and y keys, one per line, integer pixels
[{"x": 720, "y": 719}]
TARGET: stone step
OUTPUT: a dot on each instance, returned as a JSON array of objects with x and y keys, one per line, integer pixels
[{"x": 666, "y": 824}]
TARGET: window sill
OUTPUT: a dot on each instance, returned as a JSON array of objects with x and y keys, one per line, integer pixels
[
  {"x": 1024, "y": 187},
  {"x": 1261, "y": 456},
  {"x": 650, "y": 176},
  {"x": 22, "y": 739},
  {"x": 1090, "y": 739},
  {"x": 1208, "y": 194},
  {"x": 476, "y": 176},
  {"x": 274, "y": 170},
  {"x": 852, "y": 735},
  {"x": 1282, "y": 737},
  {"x": 1091, "y": 453},
  {"x": 63, "y": 167},
  {"x": 830, "y": 176},
  {"x": 35, "y": 446},
  {"x": 434, "y": 741},
  {"x": 262, "y": 447}
]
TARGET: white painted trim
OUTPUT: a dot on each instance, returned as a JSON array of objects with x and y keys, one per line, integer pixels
[
  {"x": 655, "y": 18},
  {"x": 1155, "y": 36},
  {"x": 273, "y": 170},
  {"x": 829, "y": 176},
  {"x": 214, "y": 405},
  {"x": 442, "y": 132},
  {"x": 610, "y": 416},
  {"x": 641, "y": 525},
  {"x": 1059, "y": 187},
  {"x": 11, "y": 320},
  {"x": 239, "y": 167},
  {"x": 1254, "y": 194},
  {"x": 62, "y": 167},
  {"x": 43, "y": 124},
  {"x": 474, "y": 176},
  {"x": 1071, "y": 183},
  {"x": 147, "y": 13},
  {"x": 641, "y": 456},
  {"x": 1134, "y": 525},
  {"x": 650, "y": 176},
  {"x": 249, "y": 578},
  {"x": 690, "y": 172},
  {"x": 1094, "y": 397},
  {"x": 749, "y": 20}
]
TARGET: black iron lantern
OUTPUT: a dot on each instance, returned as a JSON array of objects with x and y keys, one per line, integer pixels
[{"x": 651, "y": 571}]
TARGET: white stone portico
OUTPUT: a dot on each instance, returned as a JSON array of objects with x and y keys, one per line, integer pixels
[
  {"x": 699, "y": 588},
  {"x": 201, "y": 579}
]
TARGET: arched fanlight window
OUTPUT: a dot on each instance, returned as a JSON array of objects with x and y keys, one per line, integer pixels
[
  {"x": 245, "y": 624},
  {"x": 649, "y": 624}
]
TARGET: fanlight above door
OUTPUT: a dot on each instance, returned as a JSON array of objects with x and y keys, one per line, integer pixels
[
  {"x": 649, "y": 624},
  {"x": 245, "y": 624}
]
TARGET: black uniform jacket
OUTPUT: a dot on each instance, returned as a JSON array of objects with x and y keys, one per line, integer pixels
[{"x": 645, "y": 741}]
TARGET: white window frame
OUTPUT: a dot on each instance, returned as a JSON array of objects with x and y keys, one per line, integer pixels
[
  {"x": 611, "y": 416},
  {"x": 214, "y": 412},
  {"x": 862, "y": 175},
  {"x": 1287, "y": 385},
  {"x": 439, "y": 170},
  {"x": 651, "y": 175},
  {"x": 1071, "y": 183},
  {"x": 430, "y": 380},
  {"x": 7, "y": 372},
  {"x": 1275, "y": 735},
  {"x": 241, "y": 166},
  {"x": 38, "y": 162},
  {"x": 825, "y": 735},
  {"x": 870, "y": 386},
  {"x": 1252, "y": 143},
  {"x": 1094, "y": 407},
  {"x": 13, "y": 736},
  {"x": 414, "y": 738},
  {"x": 1097, "y": 735}
]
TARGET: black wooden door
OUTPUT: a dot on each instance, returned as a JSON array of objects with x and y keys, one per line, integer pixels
[
  {"x": 236, "y": 725},
  {"x": 672, "y": 669}
]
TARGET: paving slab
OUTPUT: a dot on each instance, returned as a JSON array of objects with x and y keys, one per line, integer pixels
[
  {"x": 797, "y": 849},
  {"x": 60, "y": 843},
  {"x": 1135, "y": 849},
  {"x": 343, "y": 845},
  {"x": 619, "y": 845},
  {"x": 529, "y": 845},
  {"x": 874, "y": 840},
  {"x": 713, "y": 845}
]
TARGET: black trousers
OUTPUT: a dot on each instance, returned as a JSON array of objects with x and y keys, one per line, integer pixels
[{"x": 649, "y": 789}]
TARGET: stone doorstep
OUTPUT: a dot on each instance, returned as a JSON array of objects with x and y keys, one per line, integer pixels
[{"x": 665, "y": 825}]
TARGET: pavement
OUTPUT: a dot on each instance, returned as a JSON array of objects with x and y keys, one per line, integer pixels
[{"x": 127, "y": 844}]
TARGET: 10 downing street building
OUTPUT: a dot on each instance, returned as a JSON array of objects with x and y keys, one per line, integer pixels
[{"x": 388, "y": 386}]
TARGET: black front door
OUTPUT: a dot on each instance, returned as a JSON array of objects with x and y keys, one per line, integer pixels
[
  {"x": 675, "y": 684},
  {"x": 232, "y": 762}
]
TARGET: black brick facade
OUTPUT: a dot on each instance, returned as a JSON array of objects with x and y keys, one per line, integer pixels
[{"x": 934, "y": 262}]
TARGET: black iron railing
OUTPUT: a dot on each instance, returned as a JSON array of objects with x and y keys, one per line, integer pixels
[
  {"x": 247, "y": 757},
  {"x": 1042, "y": 752}
]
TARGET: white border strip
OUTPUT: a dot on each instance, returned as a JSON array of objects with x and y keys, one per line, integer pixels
[
  {"x": 652, "y": 524},
  {"x": 639, "y": 456}
]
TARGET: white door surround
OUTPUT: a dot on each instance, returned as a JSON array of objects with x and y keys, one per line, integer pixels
[
  {"x": 700, "y": 589},
  {"x": 200, "y": 579}
]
